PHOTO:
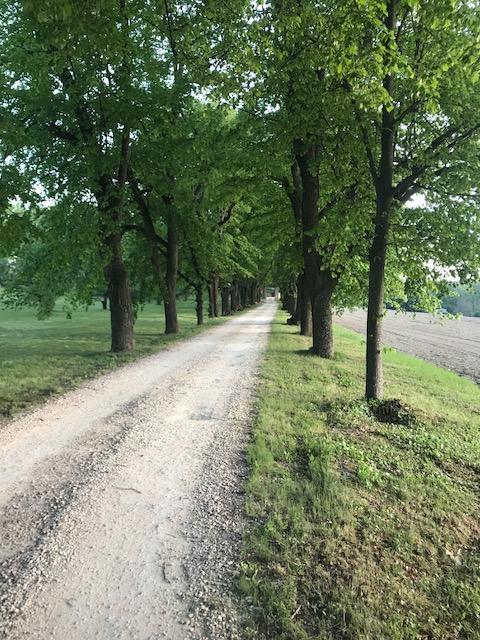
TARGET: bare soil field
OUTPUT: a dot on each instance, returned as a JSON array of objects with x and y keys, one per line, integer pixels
[
  {"x": 121, "y": 502},
  {"x": 453, "y": 344}
]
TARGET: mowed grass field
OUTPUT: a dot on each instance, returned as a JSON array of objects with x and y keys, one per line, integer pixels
[
  {"x": 361, "y": 529},
  {"x": 39, "y": 358}
]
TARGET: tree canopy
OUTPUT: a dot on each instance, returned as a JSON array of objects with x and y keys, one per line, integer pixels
[{"x": 151, "y": 147}]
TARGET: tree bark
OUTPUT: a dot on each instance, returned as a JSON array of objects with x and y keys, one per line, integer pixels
[
  {"x": 210, "y": 301},
  {"x": 243, "y": 296},
  {"x": 322, "y": 326},
  {"x": 294, "y": 193},
  {"x": 199, "y": 303},
  {"x": 290, "y": 304},
  {"x": 253, "y": 293},
  {"x": 121, "y": 308},
  {"x": 213, "y": 297},
  {"x": 376, "y": 293},
  {"x": 171, "y": 274},
  {"x": 226, "y": 304},
  {"x": 378, "y": 249},
  {"x": 150, "y": 232},
  {"x": 236, "y": 306},
  {"x": 298, "y": 302},
  {"x": 105, "y": 301},
  {"x": 110, "y": 199},
  {"x": 305, "y": 310},
  {"x": 289, "y": 300},
  {"x": 319, "y": 282}
]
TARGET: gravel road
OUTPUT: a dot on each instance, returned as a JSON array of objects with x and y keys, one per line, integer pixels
[
  {"x": 121, "y": 502},
  {"x": 453, "y": 344}
]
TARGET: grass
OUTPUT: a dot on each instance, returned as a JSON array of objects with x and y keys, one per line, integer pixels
[
  {"x": 361, "y": 529},
  {"x": 40, "y": 358}
]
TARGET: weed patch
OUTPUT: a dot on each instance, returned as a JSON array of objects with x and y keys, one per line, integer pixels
[{"x": 394, "y": 412}]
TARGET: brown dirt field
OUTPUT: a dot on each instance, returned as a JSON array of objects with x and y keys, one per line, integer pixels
[{"x": 453, "y": 344}]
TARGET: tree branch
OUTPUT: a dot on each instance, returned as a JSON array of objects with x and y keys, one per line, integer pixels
[
  {"x": 406, "y": 185},
  {"x": 226, "y": 214}
]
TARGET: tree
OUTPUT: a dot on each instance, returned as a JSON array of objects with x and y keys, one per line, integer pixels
[
  {"x": 463, "y": 299},
  {"x": 46, "y": 264},
  {"x": 291, "y": 68},
  {"x": 72, "y": 88},
  {"x": 427, "y": 66},
  {"x": 94, "y": 87}
]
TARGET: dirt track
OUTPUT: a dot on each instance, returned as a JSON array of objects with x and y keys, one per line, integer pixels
[
  {"x": 453, "y": 344},
  {"x": 120, "y": 502}
]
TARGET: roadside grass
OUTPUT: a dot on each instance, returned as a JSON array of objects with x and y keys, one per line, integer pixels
[
  {"x": 360, "y": 529},
  {"x": 40, "y": 358}
]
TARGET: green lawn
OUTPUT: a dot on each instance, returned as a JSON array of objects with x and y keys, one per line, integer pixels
[
  {"x": 39, "y": 358},
  {"x": 361, "y": 529}
]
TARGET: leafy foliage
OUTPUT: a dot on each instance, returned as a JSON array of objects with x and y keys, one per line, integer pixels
[{"x": 124, "y": 119}]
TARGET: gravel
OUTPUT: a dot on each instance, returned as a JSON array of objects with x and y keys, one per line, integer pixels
[{"x": 125, "y": 517}]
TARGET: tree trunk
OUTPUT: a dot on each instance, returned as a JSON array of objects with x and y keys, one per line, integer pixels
[
  {"x": 199, "y": 303},
  {"x": 151, "y": 234},
  {"x": 250, "y": 294},
  {"x": 157, "y": 267},
  {"x": 291, "y": 305},
  {"x": 305, "y": 311},
  {"x": 253, "y": 293},
  {"x": 243, "y": 296},
  {"x": 319, "y": 283},
  {"x": 295, "y": 195},
  {"x": 210, "y": 301},
  {"x": 213, "y": 297},
  {"x": 289, "y": 300},
  {"x": 298, "y": 302},
  {"x": 226, "y": 305},
  {"x": 170, "y": 303},
  {"x": 378, "y": 250},
  {"x": 121, "y": 308},
  {"x": 376, "y": 291},
  {"x": 105, "y": 301},
  {"x": 110, "y": 202},
  {"x": 322, "y": 326},
  {"x": 235, "y": 297}
]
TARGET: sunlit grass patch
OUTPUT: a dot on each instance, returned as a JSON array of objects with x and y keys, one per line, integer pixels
[{"x": 40, "y": 358}]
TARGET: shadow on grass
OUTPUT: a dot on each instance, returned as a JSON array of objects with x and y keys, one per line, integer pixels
[
  {"x": 105, "y": 353},
  {"x": 304, "y": 352}
]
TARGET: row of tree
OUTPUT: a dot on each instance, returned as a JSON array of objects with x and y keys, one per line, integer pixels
[
  {"x": 464, "y": 300},
  {"x": 117, "y": 167},
  {"x": 329, "y": 147}
]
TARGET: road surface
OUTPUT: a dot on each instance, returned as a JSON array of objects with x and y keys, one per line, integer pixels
[
  {"x": 453, "y": 344},
  {"x": 120, "y": 502}
]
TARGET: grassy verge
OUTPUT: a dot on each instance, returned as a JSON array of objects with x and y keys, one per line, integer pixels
[
  {"x": 39, "y": 358},
  {"x": 362, "y": 529}
]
